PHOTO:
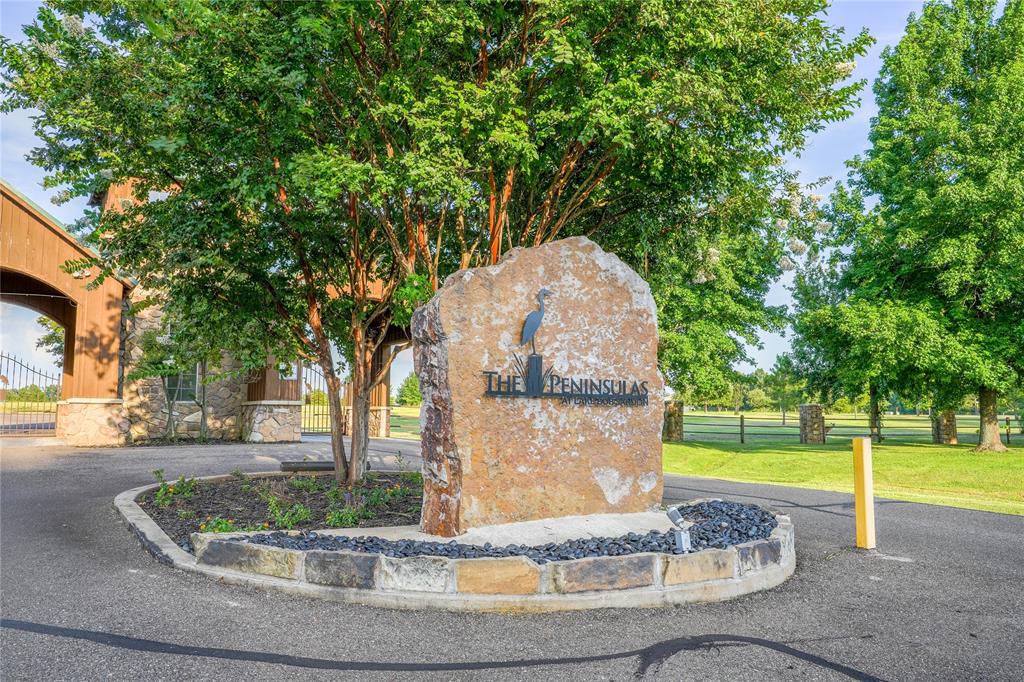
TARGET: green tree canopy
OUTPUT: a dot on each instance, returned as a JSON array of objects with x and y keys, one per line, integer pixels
[
  {"x": 409, "y": 391},
  {"x": 933, "y": 271},
  {"x": 325, "y": 164}
]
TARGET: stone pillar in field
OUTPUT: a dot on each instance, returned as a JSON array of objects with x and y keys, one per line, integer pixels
[
  {"x": 568, "y": 424},
  {"x": 944, "y": 428},
  {"x": 812, "y": 424},
  {"x": 674, "y": 422}
]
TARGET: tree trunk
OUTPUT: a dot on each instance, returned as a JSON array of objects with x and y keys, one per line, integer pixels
[
  {"x": 169, "y": 431},
  {"x": 360, "y": 433},
  {"x": 337, "y": 415},
  {"x": 988, "y": 410},
  {"x": 874, "y": 416},
  {"x": 362, "y": 367},
  {"x": 783, "y": 407},
  {"x": 203, "y": 429}
]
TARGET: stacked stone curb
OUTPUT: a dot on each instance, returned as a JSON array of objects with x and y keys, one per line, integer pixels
[{"x": 506, "y": 584}]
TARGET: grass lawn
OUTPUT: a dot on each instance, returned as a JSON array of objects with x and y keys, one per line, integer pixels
[
  {"x": 16, "y": 406},
  {"x": 916, "y": 472},
  {"x": 405, "y": 422}
]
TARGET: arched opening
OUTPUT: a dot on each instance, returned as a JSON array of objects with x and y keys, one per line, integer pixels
[
  {"x": 28, "y": 292},
  {"x": 32, "y": 352}
]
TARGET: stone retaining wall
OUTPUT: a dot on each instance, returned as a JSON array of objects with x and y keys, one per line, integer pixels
[{"x": 517, "y": 582}]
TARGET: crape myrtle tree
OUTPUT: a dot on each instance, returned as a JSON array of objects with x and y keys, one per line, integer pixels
[
  {"x": 710, "y": 284},
  {"x": 942, "y": 250},
  {"x": 329, "y": 163}
]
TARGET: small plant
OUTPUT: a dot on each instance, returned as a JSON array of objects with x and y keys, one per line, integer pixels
[
  {"x": 307, "y": 484},
  {"x": 374, "y": 497},
  {"x": 284, "y": 515},
  {"x": 346, "y": 517},
  {"x": 165, "y": 494},
  {"x": 186, "y": 514},
  {"x": 239, "y": 474},
  {"x": 217, "y": 524}
]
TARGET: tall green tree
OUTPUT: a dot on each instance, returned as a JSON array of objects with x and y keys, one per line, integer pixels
[
  {"x": 946, "y": 166},
  {"x": 328, "y": 163},
  {"x": 784, "y": 385},
  {"x": 409, "y": 391},
  {"x": 52, "y": 339}
]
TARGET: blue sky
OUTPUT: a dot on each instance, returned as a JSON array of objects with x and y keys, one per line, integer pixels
[{"x": 824, "y": 156}]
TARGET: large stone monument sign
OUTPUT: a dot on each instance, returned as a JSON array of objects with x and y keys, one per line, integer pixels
[{"x": 541, "y": 391}]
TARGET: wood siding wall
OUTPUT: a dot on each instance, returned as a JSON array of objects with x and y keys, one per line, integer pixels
[
  {"x": 270, "y": 386},
  {"x": 32, "y": 250}
]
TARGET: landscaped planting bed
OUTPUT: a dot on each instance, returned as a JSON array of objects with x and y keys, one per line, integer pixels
[
  {"x": 300, "y": 502},
  {"x": 717, "y": 525},
  {"x": 738, "y": 549}
]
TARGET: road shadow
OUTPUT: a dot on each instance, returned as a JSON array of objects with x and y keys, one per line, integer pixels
[{"x": 650, "y": 659}]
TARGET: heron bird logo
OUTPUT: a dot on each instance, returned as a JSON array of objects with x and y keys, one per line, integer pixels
[
  {"x": 532, "y": 323},
  {"x": 529, "y": 378},
  {"x": 532, "y": 371}
]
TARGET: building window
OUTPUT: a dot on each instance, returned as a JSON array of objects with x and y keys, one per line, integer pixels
[{"x": 182, "y": 387}]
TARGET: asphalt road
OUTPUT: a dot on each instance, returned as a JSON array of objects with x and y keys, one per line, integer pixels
[{"x": 80, "y": 599}]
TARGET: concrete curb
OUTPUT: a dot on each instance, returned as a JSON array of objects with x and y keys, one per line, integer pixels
[{"x": 756, "y": 570}]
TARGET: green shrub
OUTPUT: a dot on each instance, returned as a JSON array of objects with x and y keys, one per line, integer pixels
[
  {"x": 286, "y": 516},
  {"x": 165, "y": 494}
]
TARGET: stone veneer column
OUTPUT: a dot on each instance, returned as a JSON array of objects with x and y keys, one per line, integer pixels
[
  {"x": 272, "y": 421},
  {"x": 812, "y": 424},
  {"x": 92, "y": 422},
  {"x": 380, "y": 422}
]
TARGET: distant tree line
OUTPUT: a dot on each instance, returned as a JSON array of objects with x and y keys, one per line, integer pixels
[{"x": 916, "y": 287}]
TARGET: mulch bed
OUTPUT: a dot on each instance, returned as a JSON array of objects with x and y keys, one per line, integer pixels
[{"x": 246, "y": 503}]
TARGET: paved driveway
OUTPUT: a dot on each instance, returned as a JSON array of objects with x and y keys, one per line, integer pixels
[{"x": 943, "y": 599}]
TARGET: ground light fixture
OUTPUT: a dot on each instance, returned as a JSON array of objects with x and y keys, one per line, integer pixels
[{"x": 682, "y": 533}]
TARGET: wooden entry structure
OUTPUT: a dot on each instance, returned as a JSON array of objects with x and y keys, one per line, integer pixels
[
  {"x": 98, "y": 345},
  {"x": 33, "y": 248}
]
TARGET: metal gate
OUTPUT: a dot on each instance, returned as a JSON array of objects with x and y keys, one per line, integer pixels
[
  {"x": 28, "y": 398},
  {"x": 316, "y": 410}
]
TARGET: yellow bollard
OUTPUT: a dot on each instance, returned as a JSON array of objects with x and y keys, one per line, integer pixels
[{"x": 863, "y": 493}]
